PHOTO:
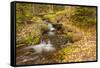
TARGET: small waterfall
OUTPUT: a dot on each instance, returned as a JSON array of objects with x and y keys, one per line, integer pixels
[
  {"x": 50, "y": 26},
  {"x": 42, "y": 47},
  {"x": 49, "y": 47},
  {"x": 51, "y": 29}
]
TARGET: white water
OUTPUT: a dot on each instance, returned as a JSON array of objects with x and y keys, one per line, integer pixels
[
  {"x": 49, "y": 47},
  {"x": 42, "y": 47},
  {"x": 51, "y": 29},
  {"x": 50, "y": 26}
]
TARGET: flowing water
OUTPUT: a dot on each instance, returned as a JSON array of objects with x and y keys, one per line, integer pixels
[{"x": 36, "y": 54}]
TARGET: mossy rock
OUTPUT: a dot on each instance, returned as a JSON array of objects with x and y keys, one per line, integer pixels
[
  {"x": 58, "y": 40},
  {"x": 57, "y": 26},
  {"x": 73, "y": 37}
]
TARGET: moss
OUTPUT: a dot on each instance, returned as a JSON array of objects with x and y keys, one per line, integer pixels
[
  {"x": 36, "y": 19},
  {"x": 51, "y": 17},
  {"x": 36, "y": 41}
]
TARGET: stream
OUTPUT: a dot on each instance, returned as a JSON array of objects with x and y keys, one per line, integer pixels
[{"x": 36, "y": 54}]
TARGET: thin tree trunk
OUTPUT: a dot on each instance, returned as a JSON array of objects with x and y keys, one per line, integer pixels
[{"x": 33, "y": 7}]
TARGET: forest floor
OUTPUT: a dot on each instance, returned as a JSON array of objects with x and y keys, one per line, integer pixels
[{"x": 85, "y": 49}]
